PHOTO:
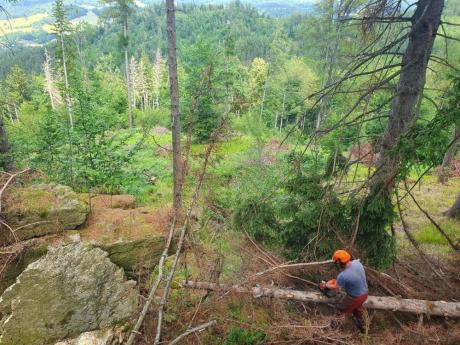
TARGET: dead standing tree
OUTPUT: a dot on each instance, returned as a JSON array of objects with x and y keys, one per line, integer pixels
[
  {"x": 175, "y": 115},
  {"x": 177, "y": 177}
]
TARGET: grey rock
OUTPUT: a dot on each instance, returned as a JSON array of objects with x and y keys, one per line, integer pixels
[
  {"x": 99, "y": 337},
  {"x": 41, "y": 209},
  {"x": 71, "y": 290}
]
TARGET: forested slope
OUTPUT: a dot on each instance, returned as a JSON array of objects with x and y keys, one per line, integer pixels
[{"x": 282, "y": 139}]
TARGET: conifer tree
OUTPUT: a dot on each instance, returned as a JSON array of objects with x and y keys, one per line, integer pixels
[
  {"x": 18, "y": 90},
  {"x": 62, "y": 29},
  {"x": 121, "y": 10}
]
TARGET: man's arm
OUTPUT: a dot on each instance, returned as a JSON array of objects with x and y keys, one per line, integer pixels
[{"x": 333, "y": 285}]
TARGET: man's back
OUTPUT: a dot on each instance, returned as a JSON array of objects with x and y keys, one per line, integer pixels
[{"x": 353, "y": 279}]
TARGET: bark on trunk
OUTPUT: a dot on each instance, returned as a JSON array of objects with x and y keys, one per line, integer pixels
[
  {"x": 416, "y": 306},
  {"x": 449, "y": 156},
  {"x": 5, "y": 149},
  {"x": 454, "y": 211},
  {"x": 128, "y": 76},
  {"x": 66, "y": 82},
  {"x": 175, "y": 115},
  {"x": 425, "y": 23}
]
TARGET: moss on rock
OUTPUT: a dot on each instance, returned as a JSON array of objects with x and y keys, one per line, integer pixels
[{"x": 41, "y": 209}]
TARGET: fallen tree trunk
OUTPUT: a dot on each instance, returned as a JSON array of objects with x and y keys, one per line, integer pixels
[{"x": 415, "y": 306}]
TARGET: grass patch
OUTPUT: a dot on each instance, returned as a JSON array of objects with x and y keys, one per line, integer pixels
[{"x": 428, "y": 234}]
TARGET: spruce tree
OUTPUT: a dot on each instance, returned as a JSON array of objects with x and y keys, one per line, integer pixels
[
  {"x": 62, "y": 29},
  {"x": 120, "y": 11}
]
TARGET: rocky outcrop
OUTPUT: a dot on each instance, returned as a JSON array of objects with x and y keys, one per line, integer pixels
[
  {"x": 41, "y": 209},
  {"x": 133, "y": 237},
  {"x": 136, "y": 257},
  {"x": 71, "y": 290},
  {"x": 100, "y": 337},
  {"x": 18, "y": 258}
]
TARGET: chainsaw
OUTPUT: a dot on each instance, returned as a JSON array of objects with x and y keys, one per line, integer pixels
[{"x": 325, "y": 290}]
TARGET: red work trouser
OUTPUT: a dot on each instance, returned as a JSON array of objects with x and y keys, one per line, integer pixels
[{"x": 354, "y": 305}]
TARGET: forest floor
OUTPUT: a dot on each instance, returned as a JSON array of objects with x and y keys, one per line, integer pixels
[{"x": 215, "y": 253}]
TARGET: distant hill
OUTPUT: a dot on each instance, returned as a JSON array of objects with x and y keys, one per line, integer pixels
[
  {"x": 28, "y": 21},
  {"x": 275, "y": 8}
]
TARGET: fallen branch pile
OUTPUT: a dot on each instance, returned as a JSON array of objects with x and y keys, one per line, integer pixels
[{"x": 416, "y": 306}]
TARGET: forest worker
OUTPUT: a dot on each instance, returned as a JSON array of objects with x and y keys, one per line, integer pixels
[{"x": 352, "y": 280}]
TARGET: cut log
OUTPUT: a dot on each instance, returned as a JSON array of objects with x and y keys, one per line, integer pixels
[{"x": 416, "y": 306}]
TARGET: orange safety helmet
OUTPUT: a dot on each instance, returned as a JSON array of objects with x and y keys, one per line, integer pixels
[{"x": 341, "y": 256}]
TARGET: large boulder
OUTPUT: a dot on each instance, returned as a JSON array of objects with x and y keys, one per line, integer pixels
[
  {"x": 99, "y": 337},
  {"x": 18, "y": 257},
  {"x": 41, "y": 209},
  {"x": 71, "y": 290}
]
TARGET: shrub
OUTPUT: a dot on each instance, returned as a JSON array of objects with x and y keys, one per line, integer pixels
[{"x": 238, "y": 336}]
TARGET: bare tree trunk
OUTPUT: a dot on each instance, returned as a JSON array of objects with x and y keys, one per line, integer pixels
[
  {"x": 443, "y": 175},
  {"x": 175, "y": 115},
  {"x": 283, "y": 111},
  {"x": 128, "y": 76},
  {"x": 49, "y": 83},
  {"x": 425, "y": 23},
  {"x": 133, "y": 78},
  {"x": 454, "y": 211},
  {"x": 262, "y": 101},
  {"x": 66, "y": 81},
  {"x": 5, "y": 149},
  {"x": 157, "y": 75},
  {"x": 415, "y": 306}
]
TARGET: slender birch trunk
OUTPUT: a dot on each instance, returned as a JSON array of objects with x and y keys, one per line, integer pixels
[{"x": 128, "y": 76}]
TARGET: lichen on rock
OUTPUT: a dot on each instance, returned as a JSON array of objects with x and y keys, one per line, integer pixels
[
  {"x": 71, "y": 290},
  {"x": 99, "y": 337},
  {"x": 42, "y": 209}
]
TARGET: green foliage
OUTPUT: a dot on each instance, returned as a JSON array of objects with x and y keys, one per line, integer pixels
[
  {"x": 373, "y": 236},
  {"x": 257, "y": 217},
  {"x": 311, "y": 213},
  {"x": 202, "y": 69},
  {"x": 427, "y": 141},
  {"x": 295, "y": 210},
  {"x": 336, "y": 164},
  {"x": 213, "y": 86},
  {"x": 87, "y": 156},
  {"x": 238, "y": 336},
  {"x": 256, "y": 69}
]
